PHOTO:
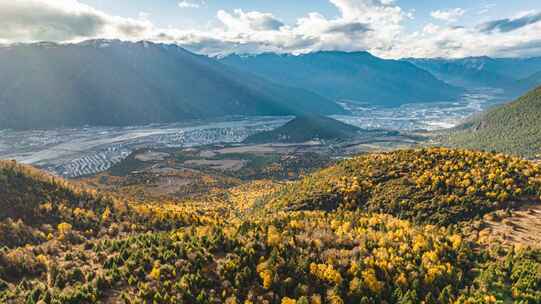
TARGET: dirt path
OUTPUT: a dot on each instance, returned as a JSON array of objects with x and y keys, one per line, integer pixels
[{"x": 523, "y": 227}]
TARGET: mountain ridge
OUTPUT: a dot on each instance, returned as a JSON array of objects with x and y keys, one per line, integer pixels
[
  {"x": 358, "y": 76},
  {"x": 482, "y": 71},
  {"x": 510, "y": 128},
  {"x": 531, "y": 81},
  {"x": 113, "y": 82}
]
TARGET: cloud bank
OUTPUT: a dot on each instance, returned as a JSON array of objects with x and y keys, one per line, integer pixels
[
  {"x": 451, "y": 15},
  {"x": 377, "y": 26},
  {"x": 63, "y": 20},
  {"x": 190, "y": 4},
  {"x": 508, "y": 25}
]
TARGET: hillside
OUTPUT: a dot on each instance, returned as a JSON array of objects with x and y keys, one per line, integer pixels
[
  {"x": 531, "y": 82},
  {"x": 36, "y": 207},
  {"x": 358, "y": 77},
  {"x": 305, "y": 128},
  {"x": 31, "y": 199},
  {"x": 102, "y": 82},
  {"x": 322, "y": 239},
  {"x": 438, "y": 186},
  {"x": 474, "y": 72},
  {"x": 511, "y": 128}
]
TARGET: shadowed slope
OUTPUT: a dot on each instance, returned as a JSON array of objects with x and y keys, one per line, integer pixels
[
  {"x": 103, "y": 82},
  {"x": 512, "y": 128}
]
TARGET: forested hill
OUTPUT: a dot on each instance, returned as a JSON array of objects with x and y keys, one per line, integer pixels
[
  {"x": 104, "y": 82},
  {"x": 358, "y": 76},
  {"x": 511, "y": 128},
  {"x": 307, "y": 127},
  {"x": 31, "y": 200},
  {"x": 399, "y": 227}
]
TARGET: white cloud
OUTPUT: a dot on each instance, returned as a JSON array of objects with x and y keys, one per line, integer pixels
[
  {"x": 143, "y": 15},
  {"x": 522, "y": 19},
  {"x": 485, "y": 8},
  {"x": 240, "y": 21},
  {"x": 362, "y": 24},
  {"x": 483, "y": 11},
  {"x": 190, "y": 4},
  {"x": 450, "y": 15},
  {"x": 454, "y": 42},
  {"x": 373, "y": 25},
  {"x": 62, "y": 20}
]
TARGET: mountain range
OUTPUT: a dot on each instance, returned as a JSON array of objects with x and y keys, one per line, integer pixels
[
  {"x": 102, "y": 82},
  {"x": 510, "y": 74},
  {"x": 111, "y": 82},
  {"x": 426, "y": 225},
  {"x": 356, "y": 76}
]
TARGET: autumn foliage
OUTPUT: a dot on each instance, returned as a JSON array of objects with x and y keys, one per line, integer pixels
[{"x": 379, "y": 228}]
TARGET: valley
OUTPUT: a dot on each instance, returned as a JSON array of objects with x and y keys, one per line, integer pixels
[
  {"x": 270, "y": 152},
  {"x": 84, "y": 151},
  {"x": 430, "y": 116},
  {"x": 76, "y": 152}
]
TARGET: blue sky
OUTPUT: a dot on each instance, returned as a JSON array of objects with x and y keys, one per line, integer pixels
[
  {"x": 167, "y": 12},
  {"x": 387, "y": 28}
]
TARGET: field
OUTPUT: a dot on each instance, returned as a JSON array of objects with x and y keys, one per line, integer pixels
[
  {"x": 177, "y": 174},
  {"x": 86, "y": 151}
]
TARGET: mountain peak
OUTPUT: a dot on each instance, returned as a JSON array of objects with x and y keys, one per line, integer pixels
[
  {"x": 113, "y": 82},
  {"x": 357, "y": 76},
  {"x": 97, "y": 42},
  {"x": 102, "y": 43},
  {"x": 287, "y": 55}
]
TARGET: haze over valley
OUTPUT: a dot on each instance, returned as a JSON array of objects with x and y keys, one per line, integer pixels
[
  {"x": 99, "y": 120},
  {"x": 72, "y": 152}
]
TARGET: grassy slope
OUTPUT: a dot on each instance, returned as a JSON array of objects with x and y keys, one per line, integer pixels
[{"x": 513, "y": 128}]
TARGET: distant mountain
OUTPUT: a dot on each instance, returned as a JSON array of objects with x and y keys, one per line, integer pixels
[
  {"x": 513, "y": 128},
  {"x": 475, "y": 72},
  {"x": 357, "y": 76},
  {"x": 102, "y": 82},
  {"x": 531, "y": 81},
  {"x": 305, "y": 128}
]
